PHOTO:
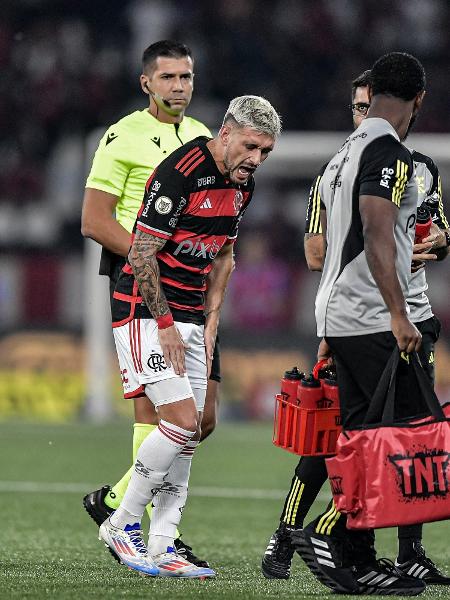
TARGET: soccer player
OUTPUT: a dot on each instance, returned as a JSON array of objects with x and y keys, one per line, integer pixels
[
  {"x": 310, "y": 473},
  {"x": 127, "y": 154},
  {"x": 165, "y": 318},
  {"x": 370, "y": 197}
]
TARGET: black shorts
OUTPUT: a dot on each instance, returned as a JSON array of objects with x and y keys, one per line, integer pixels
[
  {"x": 430, "y": 330},
  {"x": 360, "y": 361},
  {"x": 115, "y": 265}
]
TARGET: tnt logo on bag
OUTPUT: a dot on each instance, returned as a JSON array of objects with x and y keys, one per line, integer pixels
[{"x": 424, "y": 474}]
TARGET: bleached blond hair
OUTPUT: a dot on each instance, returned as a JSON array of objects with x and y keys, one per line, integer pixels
[{"x": 255, "y": 112}]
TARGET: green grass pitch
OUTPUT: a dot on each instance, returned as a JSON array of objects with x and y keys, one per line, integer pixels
[{"x": 49, "y": 546}]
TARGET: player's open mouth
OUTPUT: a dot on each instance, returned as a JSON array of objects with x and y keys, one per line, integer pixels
[{"x": 245, "y": 171}]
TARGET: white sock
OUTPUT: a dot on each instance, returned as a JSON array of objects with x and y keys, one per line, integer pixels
[
  {"x": 153, "y": 461},
  {"x": 169, "y": 502}
]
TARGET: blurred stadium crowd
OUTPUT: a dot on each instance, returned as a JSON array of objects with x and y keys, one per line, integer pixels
[{"x": 71, "y": 66}]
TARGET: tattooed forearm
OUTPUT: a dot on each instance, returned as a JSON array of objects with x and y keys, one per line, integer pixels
[{"x": 142, "y": 258}]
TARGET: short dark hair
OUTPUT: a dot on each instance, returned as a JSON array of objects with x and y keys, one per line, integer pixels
[
  {"x": 398, "y": 74},
  {"x": 362, "y": 80},
  {"x": 164, "y": 48}
]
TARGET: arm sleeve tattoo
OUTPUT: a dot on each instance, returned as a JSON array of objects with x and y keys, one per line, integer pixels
[{"x": 142, "y": 258}]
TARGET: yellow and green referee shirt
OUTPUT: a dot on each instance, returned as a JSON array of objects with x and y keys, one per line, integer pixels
[{"x": 129, "y": 152}]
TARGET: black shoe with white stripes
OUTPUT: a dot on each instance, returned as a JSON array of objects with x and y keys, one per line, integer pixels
[
  {"x": 276, "y": 562},
  {"x": 327, "y": 558},
  {"x": 422, "y": 567},
  {"x": 383, "y": 578}
]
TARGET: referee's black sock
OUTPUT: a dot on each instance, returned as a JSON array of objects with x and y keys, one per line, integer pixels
[
  {"x": 310, "y": 475},
  {"x": 408, "y": 535}
]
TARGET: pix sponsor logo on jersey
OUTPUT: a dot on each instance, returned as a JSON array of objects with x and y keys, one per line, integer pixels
[{"x": 198, "y": 248}]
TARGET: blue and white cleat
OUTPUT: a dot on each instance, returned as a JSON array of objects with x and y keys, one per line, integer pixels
[
  {"x": 172, "y": 564},
  {"x": 128, "y": 547}
]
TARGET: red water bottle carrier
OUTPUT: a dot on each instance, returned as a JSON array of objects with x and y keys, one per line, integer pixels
[{"x": 308, "y": 423}]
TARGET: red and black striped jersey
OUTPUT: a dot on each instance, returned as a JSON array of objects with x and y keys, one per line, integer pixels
[{"x": 192, "y": 206}]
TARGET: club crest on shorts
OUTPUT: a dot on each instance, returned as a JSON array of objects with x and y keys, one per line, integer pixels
[
  {"x": 156, "y": 362},
  {"x": 163, "y": 205}
]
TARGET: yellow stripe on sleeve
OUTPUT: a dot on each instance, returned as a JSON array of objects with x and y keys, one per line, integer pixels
[
  {"x": 441, "y": 205},
  {"x": 314, "y": 225},
  {"x": 401, "y": 176}
]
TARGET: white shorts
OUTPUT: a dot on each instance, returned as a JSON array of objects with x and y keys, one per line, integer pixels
[{"x": 142, "y": 363}]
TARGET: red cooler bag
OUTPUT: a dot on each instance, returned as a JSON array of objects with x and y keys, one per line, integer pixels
[{"x": 390, "y": 473}]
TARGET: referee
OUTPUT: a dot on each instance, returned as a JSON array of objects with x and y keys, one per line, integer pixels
[
  {"x": 127, "y": 154},
  {"x": 370, "y": 197}
]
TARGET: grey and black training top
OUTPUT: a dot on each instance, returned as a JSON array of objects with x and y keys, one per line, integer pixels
[{"x": 371, "y": 162}]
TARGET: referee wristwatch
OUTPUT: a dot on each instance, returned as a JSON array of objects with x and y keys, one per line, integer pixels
[{"x": 447, "y": 239}]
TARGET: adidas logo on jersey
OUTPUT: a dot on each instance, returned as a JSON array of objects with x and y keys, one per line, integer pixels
[{"x": 206, "y": 204}]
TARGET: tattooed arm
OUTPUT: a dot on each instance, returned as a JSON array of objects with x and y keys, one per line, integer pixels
[
  {"x": 314, "y": 251},
  {"x": 142, "y": 258}
]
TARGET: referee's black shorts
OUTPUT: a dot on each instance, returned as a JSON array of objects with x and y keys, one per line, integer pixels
[
  {"x": 116, "y": 265},
  {"x": 360, "y": 361}
]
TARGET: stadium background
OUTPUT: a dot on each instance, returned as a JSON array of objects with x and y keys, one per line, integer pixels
[{"x": 71, "y": 68}]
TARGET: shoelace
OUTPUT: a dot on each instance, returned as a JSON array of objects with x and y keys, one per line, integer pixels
[
  {"x": 137, "y": 541},
  {"x": 386, "y": 565},
  {"x": 420, "y": 551}
]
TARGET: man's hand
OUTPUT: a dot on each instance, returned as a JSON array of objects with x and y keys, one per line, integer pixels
[
  {"x": 210, "y": 341},
  {"x": 210, "y": 334},
  {"x": 324, "y": 352},
  {"x": 173, "y": 348},
  {"x": 423, "y": 251},
  {"x": 437, "y": 237},
  {"x": 406, "y": 333}
]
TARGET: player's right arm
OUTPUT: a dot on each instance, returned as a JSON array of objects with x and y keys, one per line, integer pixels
[
  {"x": 379, "y": 202},
  {"x": 314, "y": 242},
  {"x": 106, "y": 181},
  {"x": 98, "y": 221},
  {"x": 142, "y": 258}
]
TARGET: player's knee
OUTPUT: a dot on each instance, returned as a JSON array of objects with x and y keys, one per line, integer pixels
[{"x": 187, "y": 421}]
